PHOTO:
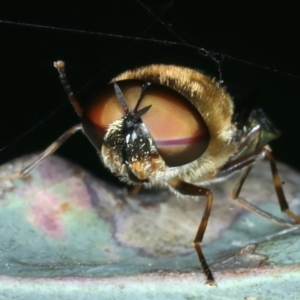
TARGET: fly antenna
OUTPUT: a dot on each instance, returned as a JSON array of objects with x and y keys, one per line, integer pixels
[
  {"x": 121, "y": 98},
  {"x": 143, "y": 89}
]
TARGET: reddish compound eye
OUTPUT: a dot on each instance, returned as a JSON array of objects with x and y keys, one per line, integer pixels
[{"x": 176, "y": 126}]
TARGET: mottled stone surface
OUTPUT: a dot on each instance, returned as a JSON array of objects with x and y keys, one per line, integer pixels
[{"x": 61, "y": 229}]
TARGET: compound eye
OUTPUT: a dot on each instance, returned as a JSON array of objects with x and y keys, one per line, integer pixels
[{"x": 177, "y": 127}]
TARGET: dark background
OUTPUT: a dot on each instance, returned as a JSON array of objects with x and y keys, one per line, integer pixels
[{"x": 263, "y": 68}]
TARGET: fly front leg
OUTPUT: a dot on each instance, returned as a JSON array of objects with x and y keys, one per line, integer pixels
[
  {"x": 188, "y": 189},
  {"x": 60, "y": 66},
  {"x": 50, "y": 150}
]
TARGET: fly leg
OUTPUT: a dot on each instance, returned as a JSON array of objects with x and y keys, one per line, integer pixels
[
  {"x": 51, "y": 149},
  {"x": 60, "y": 66},
  {"x": 245, "y": 164},
  {"x": 185, "y": 188}
]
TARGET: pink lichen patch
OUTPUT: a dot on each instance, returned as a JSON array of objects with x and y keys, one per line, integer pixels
[
  {"x": 79, "y": 193},
  {"x": 46, "y": 213}
]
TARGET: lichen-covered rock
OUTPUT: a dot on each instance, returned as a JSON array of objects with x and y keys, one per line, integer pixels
[{"x": 66, "y": 234}]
